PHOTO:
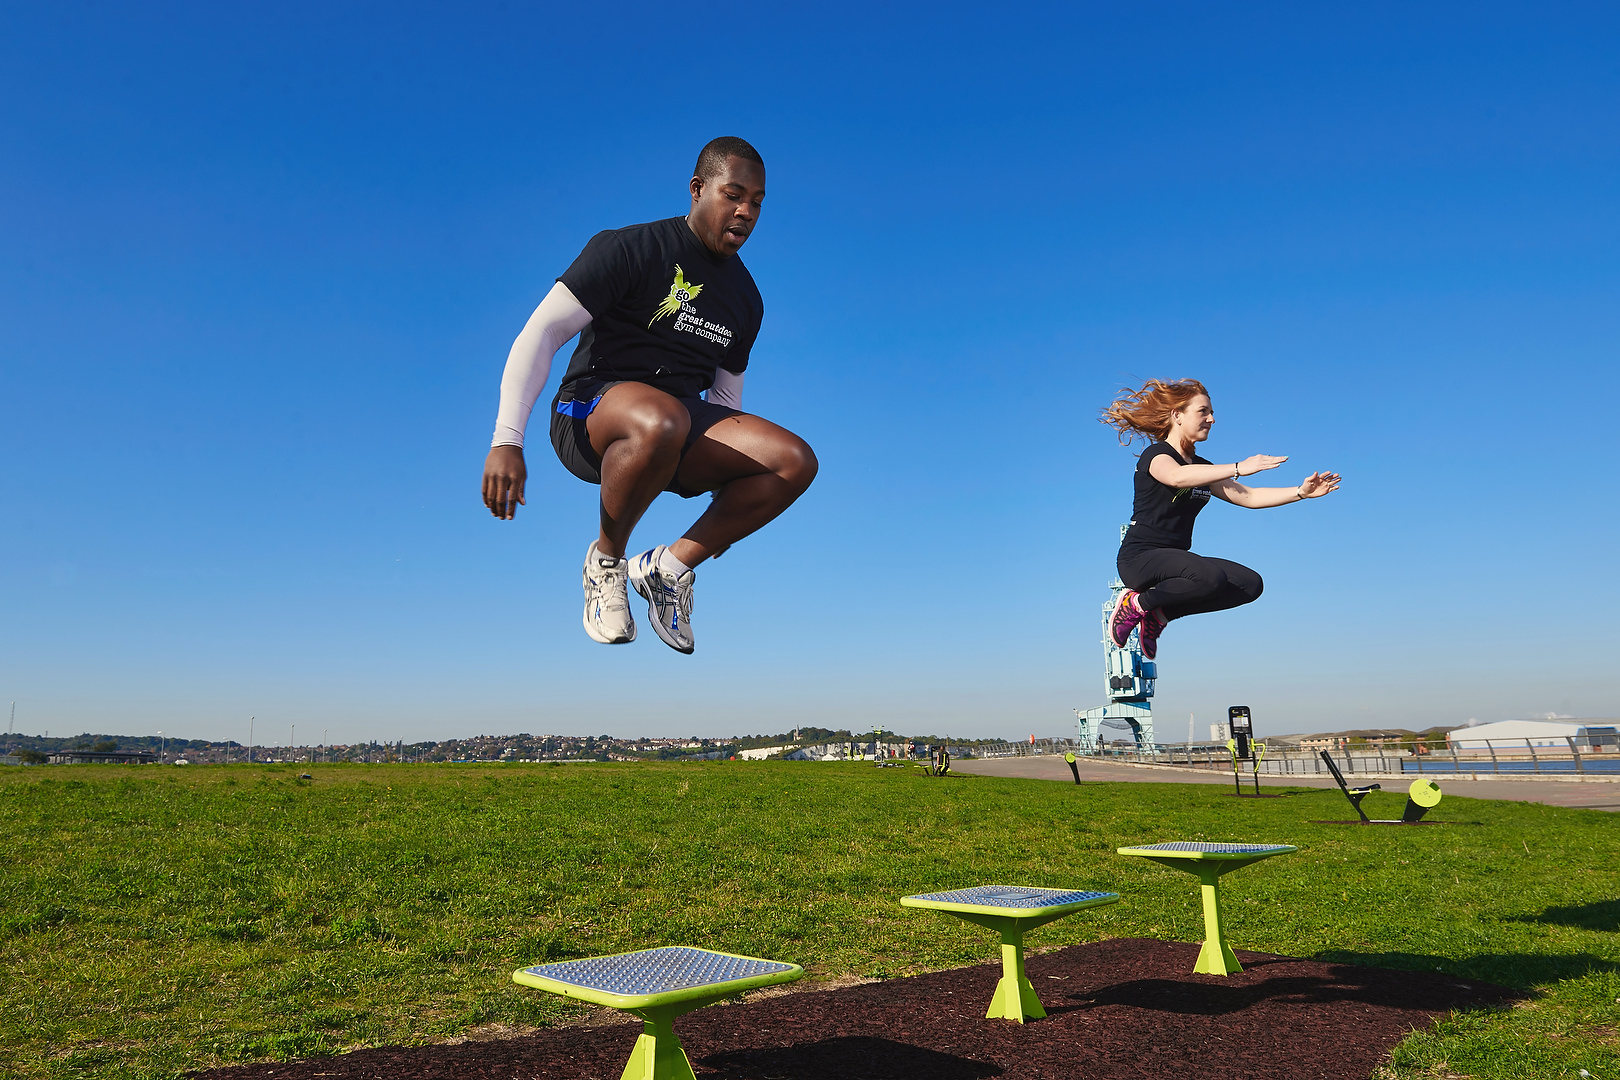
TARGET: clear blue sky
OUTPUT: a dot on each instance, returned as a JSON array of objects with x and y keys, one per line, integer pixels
[{"x": 260, "y": 266}]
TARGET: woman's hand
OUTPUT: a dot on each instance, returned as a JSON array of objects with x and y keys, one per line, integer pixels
[
  {"x": 1258, "y": 463},
  {"x": 504, "y": 477},
  {"x": 1318, "y": 484}
]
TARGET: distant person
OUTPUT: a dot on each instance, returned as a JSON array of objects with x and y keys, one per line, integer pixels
[
  {"x": 666, "y": 314},
  {"x": 1165, "y": 579}
]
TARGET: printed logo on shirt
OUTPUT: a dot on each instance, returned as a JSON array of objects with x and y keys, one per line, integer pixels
[
  {"x": 681, "y": 293},
  {"x": 687, "y": 320},
  {"x": 1200, "y": 494}
]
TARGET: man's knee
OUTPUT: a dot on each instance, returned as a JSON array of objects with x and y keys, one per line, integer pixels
[
  {"x": 797, "y": 463},
  {"x": 659, "y": 428}
]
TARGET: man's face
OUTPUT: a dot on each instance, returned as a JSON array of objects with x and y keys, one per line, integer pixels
[{"x": 726, "y": 205}]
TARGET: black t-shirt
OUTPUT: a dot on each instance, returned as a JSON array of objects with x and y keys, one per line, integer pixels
[
  {"x": 665, "y": 310},
  {"x": 1163, "y": 516}
]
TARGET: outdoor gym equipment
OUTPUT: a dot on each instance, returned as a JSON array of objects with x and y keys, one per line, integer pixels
[
  {"x": 1209, "y": 862},
  {"x": 1421, "y": 797},
  {"x": 1011, "y": 911},
  {"x": 1242, "y": 747},
  {"x": 939, "y": 761},
  {"x": 658, "y": 985},
  {"x": 1129, "y": 677}
]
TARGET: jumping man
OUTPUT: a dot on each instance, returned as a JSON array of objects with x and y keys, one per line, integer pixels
[{"x": 666, "y": 314}]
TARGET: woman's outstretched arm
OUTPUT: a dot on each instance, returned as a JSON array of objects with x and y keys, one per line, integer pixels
[
  {"x": 1170, "y": 474},
  {"x": 1314, "y": 487}
]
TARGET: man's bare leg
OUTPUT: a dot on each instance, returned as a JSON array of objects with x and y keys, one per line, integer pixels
[
  {"x": 759, "y": 468},
  {"x": 638, "y": 432}
]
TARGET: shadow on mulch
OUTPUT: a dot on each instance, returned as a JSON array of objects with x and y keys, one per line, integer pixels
[{"x": 1120, "y": 1008}]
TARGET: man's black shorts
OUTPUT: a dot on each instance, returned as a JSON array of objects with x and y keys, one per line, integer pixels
[{"x": 573, "y": 405}]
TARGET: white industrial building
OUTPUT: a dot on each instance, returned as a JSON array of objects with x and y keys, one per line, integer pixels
[{"x": 1516, "y": 732}]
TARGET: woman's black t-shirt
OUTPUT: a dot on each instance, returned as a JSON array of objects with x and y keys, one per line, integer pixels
[{"x": 1163, "y": 516}]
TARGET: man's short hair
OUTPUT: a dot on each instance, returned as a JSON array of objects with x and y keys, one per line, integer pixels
[{"x": 711, "y": 160}]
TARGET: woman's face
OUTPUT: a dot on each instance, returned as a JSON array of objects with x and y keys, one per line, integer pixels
[{"x": 1194, "y": 419}]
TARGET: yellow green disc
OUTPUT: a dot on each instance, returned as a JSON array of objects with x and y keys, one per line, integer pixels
[
  {"x": 1069, "y": 757},
  {"x": 1425, "y": 792}
]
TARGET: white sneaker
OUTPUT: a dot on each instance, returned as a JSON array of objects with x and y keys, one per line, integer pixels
[
  {"x": 607, "y": 600},
  {"x": 669, "y": 598}
]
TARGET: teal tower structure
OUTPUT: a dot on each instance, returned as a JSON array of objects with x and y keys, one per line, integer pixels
[{"x": 1128, "y": 679}]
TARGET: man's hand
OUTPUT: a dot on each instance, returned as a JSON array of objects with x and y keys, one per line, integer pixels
[{"x": 504, "y": 476}]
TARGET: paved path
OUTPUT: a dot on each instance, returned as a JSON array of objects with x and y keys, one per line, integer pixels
[{"x": 1591, "y": 796}]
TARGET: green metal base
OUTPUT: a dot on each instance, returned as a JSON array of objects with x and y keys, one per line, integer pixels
[
  {"x": 1216, "y": 957},
  {"x": 658, "y": 1054},
  {"x": 1015, "y": 998}
]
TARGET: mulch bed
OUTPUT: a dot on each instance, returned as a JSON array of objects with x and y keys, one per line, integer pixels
[{"x": 1120, "y": 1008}]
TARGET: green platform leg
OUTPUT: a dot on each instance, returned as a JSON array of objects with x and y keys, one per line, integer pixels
[
  {"x": 1015, "y": 998},
  {"x": 1216, "y": 957},
  {"x": 659, "y": 1054}
]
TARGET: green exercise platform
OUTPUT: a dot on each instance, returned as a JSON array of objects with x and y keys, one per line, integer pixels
[
  {"x": 658, "y": 985},
  {"x": 1011, "y": 911},
  {"x": 1209, "y": 862}
]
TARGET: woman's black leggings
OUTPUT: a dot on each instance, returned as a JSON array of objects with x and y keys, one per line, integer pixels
[{"x": 1178, "y": 583}]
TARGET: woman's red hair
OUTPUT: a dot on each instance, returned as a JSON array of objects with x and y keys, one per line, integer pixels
[{"x": 1147, "y": 411}]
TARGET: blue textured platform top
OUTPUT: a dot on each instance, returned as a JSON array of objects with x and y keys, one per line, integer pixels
[
  {"x": 1010, "y": 896},
  {"x": 656, "y": 971},
  {"x": 1194, "y": 848}
]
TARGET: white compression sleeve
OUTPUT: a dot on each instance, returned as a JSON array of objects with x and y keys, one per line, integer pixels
[
  {"x": 727, "y": 389},
  {"x": 558, "y": 318}
]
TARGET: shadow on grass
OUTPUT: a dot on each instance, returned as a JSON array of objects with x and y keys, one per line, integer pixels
[
  {"x": 1347, "y": 985},
  {"x": 1522, "y": 971},
  {"x": 1601, "y": 915},
  {"x": 851, "y": 1056}
]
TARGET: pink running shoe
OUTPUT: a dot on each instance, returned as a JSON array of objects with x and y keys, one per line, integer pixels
[
  {"x": 1153, "y": 624},
  {"x": 1124, "y": 618}
]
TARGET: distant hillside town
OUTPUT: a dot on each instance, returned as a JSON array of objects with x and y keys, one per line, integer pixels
[
  {"x": 808, "y": 743},
  {"x": 523, "y": 747}
]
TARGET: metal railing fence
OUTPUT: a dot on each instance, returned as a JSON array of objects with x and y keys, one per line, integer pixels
[
  {"x": 1027, "y": 749},
  {"x": 1481, "y": 756}
]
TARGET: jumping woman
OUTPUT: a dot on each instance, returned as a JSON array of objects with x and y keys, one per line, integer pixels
[{"x": 1165, "y": 579}]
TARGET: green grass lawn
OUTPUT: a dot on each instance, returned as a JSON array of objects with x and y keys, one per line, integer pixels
[{"x": 158, "y": 921}]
